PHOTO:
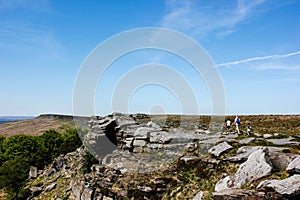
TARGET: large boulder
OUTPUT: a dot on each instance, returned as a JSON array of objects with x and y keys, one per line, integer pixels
[
  {"x": 258, "y": 165},
  {"x": 294, "y": 166},
  {"x": 219, "y": 149},
  {"x": 289, "y": 186}
]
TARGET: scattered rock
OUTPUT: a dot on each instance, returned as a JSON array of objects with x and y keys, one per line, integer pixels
[
  {"x": 50, "y": 187},
  {"x": 36, "y": 190},
  {"x": 49, "y": 172},
  {"x": 284, "y": 141},
  {"x": 188, "y": 158},
  {"x": 235, "y": 194},
  {"x": 33, "y": 172},
  {"x": 257, "y": 166},
  {"x": 289, "y": 186},
  {"x": 247, "y": 140},
  {"x": 198, "y": 196},
  {"x": 59, "y": 162},
  {"x": 266, "y": 136},
  {"x": 276, "y": 134},
  {"x": 219, "y": 149},
  {"x": 294, "y": 166},
  {"x": 144, "y": 188}
]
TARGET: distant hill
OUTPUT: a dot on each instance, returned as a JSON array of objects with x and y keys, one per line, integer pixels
[
  {"x": 5, "y": 119},
  {"x": 35, "y": 126}
]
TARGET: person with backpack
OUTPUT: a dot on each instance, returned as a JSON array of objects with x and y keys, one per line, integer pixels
[{"x": 237, "y": 121}]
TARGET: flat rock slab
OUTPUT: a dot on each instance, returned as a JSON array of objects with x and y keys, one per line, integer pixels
[
  {"x": 219, "y": 149},
  {"x": 256, "y": 167},
  {"x": 247, "y": 140},
  {"x": 289, "y": 186},
  {"x": 285, "y": 141},
  {"x": 294, "y": 166},
  {"x": 234, "y": 194}
]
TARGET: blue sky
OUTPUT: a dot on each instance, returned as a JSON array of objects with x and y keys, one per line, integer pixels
[{"x": 255, "y": 45}]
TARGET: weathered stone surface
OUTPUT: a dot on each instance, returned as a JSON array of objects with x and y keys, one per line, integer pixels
[
  {"x": 129, "y": 142},
  {"x": 33, "y": 172},
  {"x": 154, "y": 125},
  {"x": 139, "y": 143},
  {"x": 138, "y": 150},
  {"x": 51, "y": 187},
  {"x": 224, "y": 183},
  {"x": 266, "y": 136},
  {"x": 160, "y": 137},
  {"x": 76, "y": 186},
  {"x": 142, "y": 133},
  {"x": 257, "y": 166},
  {"x": 289, "y": 186},
  {"x": 294, "y": 165},
  {"x": 59, "y": 162},
  {"x": 198, "y": 196},
  {"x": 284, "y": 141},
  {"x": 247, "y": 140},
  {"x": 219, "y": 149},
  {"x": 236, "y": 194},
  {"x": 250, "y": 149},
  {"x": 87, "y": 194}
]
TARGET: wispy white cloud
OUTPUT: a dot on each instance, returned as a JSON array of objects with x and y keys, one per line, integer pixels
[
  {"x": 204, "y": 17},
  {"x": 259, "y": 58}
]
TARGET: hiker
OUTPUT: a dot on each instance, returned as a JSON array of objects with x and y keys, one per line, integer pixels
[
  {"x": 237, "y": 123},
  {"x": 228, "y": 122},
  {"x": 249, "y": 129}
]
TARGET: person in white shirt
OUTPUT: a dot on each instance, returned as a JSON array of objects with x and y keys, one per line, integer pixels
[{"x": 228, "y": 123}]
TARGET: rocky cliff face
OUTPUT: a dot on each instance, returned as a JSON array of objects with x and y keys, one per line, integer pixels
[{"x": 144, "y": 161}]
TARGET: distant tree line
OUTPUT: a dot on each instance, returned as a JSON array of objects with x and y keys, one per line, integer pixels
[{"x": 19, "y": 152}]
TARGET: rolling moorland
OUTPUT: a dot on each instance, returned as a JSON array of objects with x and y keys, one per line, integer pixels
[{"x": 202, "y": 171}]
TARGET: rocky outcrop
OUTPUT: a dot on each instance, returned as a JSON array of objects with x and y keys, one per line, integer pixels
[
  {"x": 289, "y": 186},
  {"x": 257, "y": 166},
  {"x": 173, "y": 159}
]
